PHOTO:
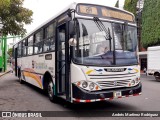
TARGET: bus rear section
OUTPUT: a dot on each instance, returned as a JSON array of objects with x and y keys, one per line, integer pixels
[{"x": 153, "y": 64}]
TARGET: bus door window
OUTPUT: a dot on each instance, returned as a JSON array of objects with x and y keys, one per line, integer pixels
[
  {"x": 62, "y": 42},
  {"x": 61, "y": 57},
  {"x": 62, "y": 47}
]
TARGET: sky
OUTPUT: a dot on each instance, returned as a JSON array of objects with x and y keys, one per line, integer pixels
[{"x": 45, "y": 9}]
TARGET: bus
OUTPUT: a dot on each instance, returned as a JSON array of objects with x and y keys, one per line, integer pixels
[{"x": 86, "y": 53}]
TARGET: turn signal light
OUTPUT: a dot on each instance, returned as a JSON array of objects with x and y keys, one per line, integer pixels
[{"x": 78, "y": 83}]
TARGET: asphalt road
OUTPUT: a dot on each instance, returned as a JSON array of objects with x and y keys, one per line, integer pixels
[{"x": 24, "y": 97}]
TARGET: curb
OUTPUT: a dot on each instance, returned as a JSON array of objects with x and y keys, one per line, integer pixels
[{"x": 4, "y": 73}]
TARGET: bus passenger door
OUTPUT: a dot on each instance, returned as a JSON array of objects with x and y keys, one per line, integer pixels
[
  {"x": 15, "y": 55},
  {"x": 61, "y": 63}
]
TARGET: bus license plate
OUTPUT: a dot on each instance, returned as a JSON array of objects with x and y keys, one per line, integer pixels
[{"x": 117, "y": 94}]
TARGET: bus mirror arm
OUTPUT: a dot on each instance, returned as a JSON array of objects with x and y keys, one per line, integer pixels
[
  {"x": 70, "y": 11},
  {"x": 71, "y": 54}
]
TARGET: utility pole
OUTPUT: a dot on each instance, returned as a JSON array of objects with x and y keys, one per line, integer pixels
[
  {"x": 4, "y": 39},
  {"x": 140, "y": 4}
]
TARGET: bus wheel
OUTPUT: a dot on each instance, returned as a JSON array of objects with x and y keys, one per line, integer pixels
[
  {"x": 51, "y": 95},
  {"x": 157, "y": 78}
]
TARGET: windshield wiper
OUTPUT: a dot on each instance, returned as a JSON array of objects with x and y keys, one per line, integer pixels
[{"x": 101, "y": 27}]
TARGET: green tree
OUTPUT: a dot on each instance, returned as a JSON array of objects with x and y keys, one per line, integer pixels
[
  {"x": 130, "y": 5},
  {"x": 150, "y": 23},
  {"x": 10, "y": 50},
  {"x": 13, "y": 16},
  {"x": 117, "y": 4}
]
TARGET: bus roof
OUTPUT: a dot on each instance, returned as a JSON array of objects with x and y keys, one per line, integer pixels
[
  {"x": 71, "y": 6},
  {"x": 153, "y": 48}
]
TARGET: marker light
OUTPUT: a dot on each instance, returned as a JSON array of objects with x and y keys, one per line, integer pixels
[{"x": 78, "y": 83}]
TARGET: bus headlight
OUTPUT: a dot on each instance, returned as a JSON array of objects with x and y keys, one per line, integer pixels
[
  {"x": 84, "y": 84},
  {"x": 91, "y": 86},
  {"x": 137, "y": 80},
  {"x": 87, "y": 85},
  {"x": 133, "y": 82}
]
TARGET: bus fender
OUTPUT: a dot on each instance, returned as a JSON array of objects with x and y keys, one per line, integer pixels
[{"x": 46, "y": 78}]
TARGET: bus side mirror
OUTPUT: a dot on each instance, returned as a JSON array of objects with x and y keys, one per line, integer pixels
[
  {"x": 71, "y": 28},
  {"x": 72, "y": 42}
]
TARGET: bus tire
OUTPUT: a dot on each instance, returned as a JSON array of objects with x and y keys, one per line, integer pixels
[
  {"x": 50, "y": 91},
  {"x": 157, "y": 76},
  {"x": 157, "y": 79}
]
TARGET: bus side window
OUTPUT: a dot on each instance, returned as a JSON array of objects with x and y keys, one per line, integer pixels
[
  {"x": 24, "y": 48},
  {"x": 19, "y": 49},
  {"x": 30, "y": 45},
  {"x": 49, "y": 42},
  {"x": 38, "y": 44}
]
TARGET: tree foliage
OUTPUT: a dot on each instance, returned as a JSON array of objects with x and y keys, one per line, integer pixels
[
  {"x": 117, "y": 4},
  {"x": 150, "y": 23},
  {"x": 10, "y": 50},
  {"x": 13, "y": 16},
  {"x": 130, "y": 5}
]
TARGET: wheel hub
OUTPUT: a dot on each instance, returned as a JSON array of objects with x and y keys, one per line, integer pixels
[{"x": 50, "y": 89}]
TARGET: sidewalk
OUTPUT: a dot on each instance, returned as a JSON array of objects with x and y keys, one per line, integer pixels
[{"x": 6, "y": 72}]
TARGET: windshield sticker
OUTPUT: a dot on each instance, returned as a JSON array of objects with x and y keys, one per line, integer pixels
[
  {"x": 99, "y": 71},
  {"x": 131, "y": 69},
  {"x": 89, "y": 72}
]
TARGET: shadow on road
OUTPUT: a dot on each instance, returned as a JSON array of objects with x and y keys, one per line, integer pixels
[{"x": 83, "y": 107}]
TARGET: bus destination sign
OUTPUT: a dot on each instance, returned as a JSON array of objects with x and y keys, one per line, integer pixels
[
  {"x": 88, "y": 9},
  {"x": 117, "y": 14},
  {"x": 101, "y": 11}
]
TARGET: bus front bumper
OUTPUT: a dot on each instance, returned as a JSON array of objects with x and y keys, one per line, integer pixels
[{"x": 80, "y": 95}]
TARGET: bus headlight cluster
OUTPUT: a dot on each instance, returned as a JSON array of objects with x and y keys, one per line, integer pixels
[
  {"x": 87, "y": 85},
  {"x": 135, "y": 81}
]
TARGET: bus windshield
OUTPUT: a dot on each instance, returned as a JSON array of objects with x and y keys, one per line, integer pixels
[{"x": 105, "y": 43}]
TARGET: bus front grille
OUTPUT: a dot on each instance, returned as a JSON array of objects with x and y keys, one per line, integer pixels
[{"x": 114, "y": 84}]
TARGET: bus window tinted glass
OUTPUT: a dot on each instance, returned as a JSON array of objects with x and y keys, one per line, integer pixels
[
  {"x": 30, "y": 45},
  {"x": 38, "y": 45},
  {"x": 19, "y": 49},
  {"x": 24, "y": 48},
  {"x": 49, "y": 42}
]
